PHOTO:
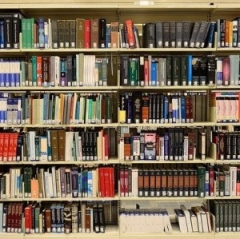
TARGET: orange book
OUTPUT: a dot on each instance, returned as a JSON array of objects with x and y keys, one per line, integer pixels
[
  {"x": 145, "y": 107},
  {"x": 34, "y": 188},
  {"x": 146, "y": 72},
  {"x": 130, "y": 33},
  {"x": 226, "y": 33},
  {"x": 230, "y": 33},
  {"x": 39, "y": 71},
  {"x": 127, "y": 146},
  {"x": 87, "y": 33},
  {"x": 114, "y": 34}
]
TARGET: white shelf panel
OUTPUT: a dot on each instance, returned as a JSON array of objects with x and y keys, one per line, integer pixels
[
  {"x": 64, "y": 89},
  {"x": 178, "y": 87},
  {"x": 58, "y": 125},
  {"x": 60, "y": 199},
  {"x": 11, "y": 236},
  {"x": 227, "y": 235},
  {"x": 131, "y": 50},
  {"x": 10, "y": 50},
  {"x": 229, "y": 161},
  {"x": 227, "y": 124},
  {"x": 196, "y": 161},
  {"x": 77, "y": 50},
  {"x": 170, "y": 125},
  {"x": 172, "y": 199},
  {"x": 110, "y": 161}
]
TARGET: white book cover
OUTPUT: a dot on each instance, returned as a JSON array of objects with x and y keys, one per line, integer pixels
[
  {"x": 233, "y": 180},
  {"x": 69, "y": 146},
  {"x": 182, "y": 222},
  {"x": 54, "y": 185},
  {"x": 194, "y": 221},
  {"x": 187, "y": 216}
]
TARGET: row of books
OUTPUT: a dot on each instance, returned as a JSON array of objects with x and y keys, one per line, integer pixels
[
  {"x": 62, "y": 182},
  {"x": 143, "y": 107},
  {"x": 164, "y": 144},
  {"x": 227, "y": 215},
  {"x": 91, "y": 70},
  {"x": 178, "y": 181},
  {"x": 227, "y": 144},
  {"x": 196, "y": 219},
  {"x": 228, "y": 32},
  {"x": 33, "y": 218},
  {"x": 48, "y": 108},
  {"x": 144, "y": 221},
  {"x": 224, "y": 107}
]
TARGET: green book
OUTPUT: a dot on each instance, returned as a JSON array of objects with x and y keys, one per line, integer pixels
[
  {"x": 201, "y": 170},
  {"x": 34, "y": 71},
  {"x": 24, "y": 33}
]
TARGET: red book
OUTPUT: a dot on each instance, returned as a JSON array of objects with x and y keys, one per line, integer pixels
[
  {"x": 15, "y": 142},
  {"x": 5, "y": 148},
  {"x": 126, "y": 182},
  {"x": 191, "y": 146},
  {"x": 28, "y": 218},
  {"x": 211, "y": 181},
  {"x": 9, "y": 217},
  {"x": 11, "y": 147},
  {"x": 238, "y": 181},
  {"x": 20, "y": 211},
  {"x": 87, "y": 33},
  {"x": 101, "y": 182},
  {"x": 111, "y": 181},
  {"x": 122, "y": 183},
  {"x": 39, "y": 70},
  {"x": 226, "y": 70},
  {"x": 12, "y": 226},
  {"x": 130, "y": 33},
  {"x": 107, "y": 181},
  {"x": 1, "y": 146}
]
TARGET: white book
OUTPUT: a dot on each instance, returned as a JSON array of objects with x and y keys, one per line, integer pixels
[
  {"x": 182, "y": 222},
  {"x": 47, "y": 184},
  {"x": 194, "y": 221},
  {"x": 54, "y": 185},
  {"x": 69, "y": 146},
  {"x": 187, "y": 216},
  {"x": 121, "y": 149},
  {"x": 31, "y": 145},
  {"x": 49, "y": 33},
  {"x": 80, "y": 148},
  {"x": 233, "y": 180},
  {"x": 204, "y": 219},
  {"x": 13, "y": 176},
  {"x": 50, "y": 185},
  {"x": 199, "y": 219},
  {"x": 167, "y": 223}
]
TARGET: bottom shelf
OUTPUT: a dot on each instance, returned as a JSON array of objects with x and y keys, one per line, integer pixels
[{"x": 113, "y": 233}]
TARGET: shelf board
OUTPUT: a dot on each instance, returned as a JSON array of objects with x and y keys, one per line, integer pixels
[
  {"x": 132, "y": 50},
  {"x": 227, "y": 161},
  {"x": 116, "y": 198},
  {"x": 66, "y": 50},
  {"x": 228, "y": 49},
  {"x": 228, "y": 124},
  {"x": 172, "y": 199},
  {"x": 110, "y": 161},
  {"x": 61, "y": 88},
  {"x": 196, "y": 161},
  {"x": 112, "y": 125},
  {"x": 169, "y": 125},
  {"x": 177, "y": 87}
]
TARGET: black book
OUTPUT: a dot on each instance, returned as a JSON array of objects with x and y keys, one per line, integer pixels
[
  {"x": 166, "y": 34},
  {"x": 159, "y": 34},
  {"x": 96, "y": 219},
  {"x": 194, "y": 34},
  {"x": 149, "y": 36},
  {"x": 179, "y": 34},
  {"x": 172, "y": 34},
  {"x": 137, "y": 106},
  {"x": 101, "y": 218},
  {"x": 187, "y": 28},
  {"x": 102, "y": 32},
  {"x": 176, "y": 67},
  {"x": 195, "y": 70},
  {"x": 124, "y": 75},
  {"x": 211, "y": 69}
]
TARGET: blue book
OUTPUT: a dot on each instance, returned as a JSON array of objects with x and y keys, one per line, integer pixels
[
  {"x": 90, "y": 184},
  {"x": 165, "y": 109},
  {"x": 80, "y": 190},
  {"x": 77, "y": 112},
  {"x": 183, "y": 109},
  {"x": 85, "y": 182},
  {"x": 74, "y": 178},
  {"x": 49, "y": 146},
  {"x": 189, "y": 70},
  {"x": 166, "y": 145},
  {"x": 174, "y": 109},
  {"x": 41, "y": 37},
  {"x": 2, "y": 110},
  {"x": 211, "y": 35},
  {"x": 2, "y": 38},
  {"x": 154, "y": 73},
  {"x": 108, "y": 37}
]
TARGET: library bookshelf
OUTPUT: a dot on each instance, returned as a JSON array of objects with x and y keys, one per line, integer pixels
[{"x": 140, "y": 12}]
